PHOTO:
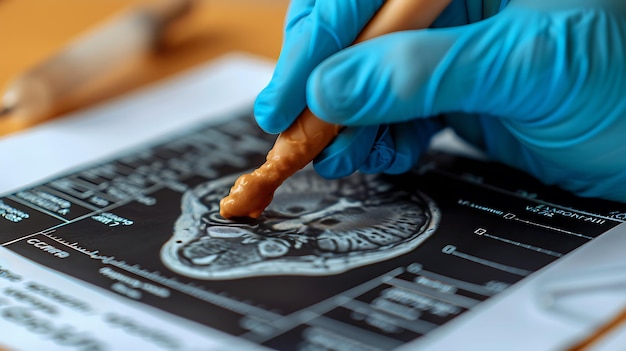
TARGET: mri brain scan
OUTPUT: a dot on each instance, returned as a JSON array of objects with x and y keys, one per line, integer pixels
[{"x": 313, "y": 226}]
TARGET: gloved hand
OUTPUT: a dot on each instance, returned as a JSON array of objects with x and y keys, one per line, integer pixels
[{"x": 539, "y": 85}]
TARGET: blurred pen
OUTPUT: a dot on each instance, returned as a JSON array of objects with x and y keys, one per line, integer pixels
[{"x": 34, "y": 94}]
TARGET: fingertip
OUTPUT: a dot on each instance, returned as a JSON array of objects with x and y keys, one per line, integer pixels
[
  {"x": 264, "y": 112},
  {"x": 276, "y": 112}
]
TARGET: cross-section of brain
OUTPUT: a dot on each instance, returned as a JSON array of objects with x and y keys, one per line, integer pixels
[{"x": 312, "y": 227}]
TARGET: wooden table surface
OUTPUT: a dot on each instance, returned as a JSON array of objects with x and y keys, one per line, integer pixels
[{"x": 32, "y": 30}]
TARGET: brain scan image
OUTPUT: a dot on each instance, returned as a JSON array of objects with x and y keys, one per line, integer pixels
[{"x": 313, "y": 226}]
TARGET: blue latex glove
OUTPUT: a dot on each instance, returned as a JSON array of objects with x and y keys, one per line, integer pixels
[{"x": 539, "y": 85}]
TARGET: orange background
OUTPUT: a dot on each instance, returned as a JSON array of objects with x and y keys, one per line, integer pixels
[{"x": 32, "y": 30}]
